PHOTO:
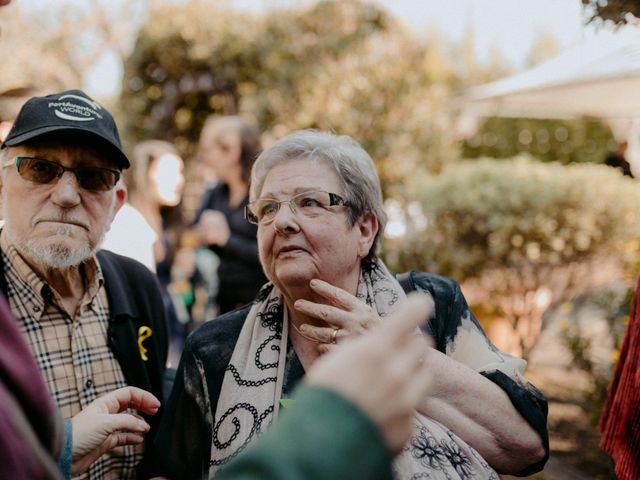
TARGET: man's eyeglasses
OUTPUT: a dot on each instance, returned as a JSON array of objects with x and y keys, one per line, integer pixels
[
  {"x": 40, "y": 170},
  {"x": 308, "y": 204}
]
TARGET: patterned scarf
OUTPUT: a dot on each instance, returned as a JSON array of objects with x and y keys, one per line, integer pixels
[{"x": 252, "y": 386}]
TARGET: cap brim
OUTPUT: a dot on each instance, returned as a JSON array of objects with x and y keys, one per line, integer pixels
[{"x": 116, "y": 155}]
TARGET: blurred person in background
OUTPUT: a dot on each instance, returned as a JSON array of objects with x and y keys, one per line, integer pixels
[
  {"x": 229, "y": 146},
  {"x": 5, "y": 127},
  {"x": 317, "y": 202},
  {"x": 155, "y": 183}
]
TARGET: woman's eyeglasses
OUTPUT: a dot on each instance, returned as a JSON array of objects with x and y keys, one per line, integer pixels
[
  {"x": 40, "y": 170},
  {"x": 308, "y": 204}
]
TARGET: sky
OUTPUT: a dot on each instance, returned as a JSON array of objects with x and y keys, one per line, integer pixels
[{"x": 510, "y": 26}]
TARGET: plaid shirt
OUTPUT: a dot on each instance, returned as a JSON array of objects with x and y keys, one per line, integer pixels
[{"x": 71, "y": 350}]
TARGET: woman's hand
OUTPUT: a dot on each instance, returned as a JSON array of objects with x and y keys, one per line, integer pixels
[
  {"x": 213, "y": 228},
  {"x": 346, "y": 315}
]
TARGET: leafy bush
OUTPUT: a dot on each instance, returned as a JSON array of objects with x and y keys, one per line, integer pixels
[
  {"x": 597, "y": 359},
  {"x": 522, "y": 235},
  {"x": 578, "y": 140}
]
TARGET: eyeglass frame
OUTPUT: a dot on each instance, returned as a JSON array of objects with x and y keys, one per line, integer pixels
[
  {"x": 335, "y": 200},
  {"x": 19, "y": 159}
]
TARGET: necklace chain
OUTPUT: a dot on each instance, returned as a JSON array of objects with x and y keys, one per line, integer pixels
[{"x": 302, "y": 334}]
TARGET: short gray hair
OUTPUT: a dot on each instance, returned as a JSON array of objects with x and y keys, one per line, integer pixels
[{"x": 351, "y": 162}]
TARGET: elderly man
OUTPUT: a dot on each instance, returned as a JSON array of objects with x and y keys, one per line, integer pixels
[{"x": 94, "y": 321}]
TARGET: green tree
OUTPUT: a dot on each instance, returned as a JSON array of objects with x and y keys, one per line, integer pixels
[
  {"x": 398, "y": 112},
  {"x": 188, "y": 63},
  {"x": 346, "y": 66},
  {"x": 185, "y": 64},
  {"x": 616, "y": 11}
]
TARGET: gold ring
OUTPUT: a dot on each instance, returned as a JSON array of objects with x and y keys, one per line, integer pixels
[{"x": 335, "y": 335}]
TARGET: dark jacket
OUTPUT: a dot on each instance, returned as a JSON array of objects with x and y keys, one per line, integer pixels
[
  {"x": 134, "y": 301},
  {"x": 184, "y": 438},
  {"x": 239, "y": 272}
]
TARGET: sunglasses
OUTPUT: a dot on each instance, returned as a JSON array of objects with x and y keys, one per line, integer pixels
[{"x": 40, "y": 170}]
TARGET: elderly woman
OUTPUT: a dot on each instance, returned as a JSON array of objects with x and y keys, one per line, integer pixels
[{"x": 317, "y": 202}]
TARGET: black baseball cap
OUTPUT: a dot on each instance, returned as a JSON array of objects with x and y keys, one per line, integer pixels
[{"x": 73, "y": 112}]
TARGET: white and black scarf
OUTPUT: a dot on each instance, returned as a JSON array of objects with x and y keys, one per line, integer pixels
[{"x": 252, "y": 387}]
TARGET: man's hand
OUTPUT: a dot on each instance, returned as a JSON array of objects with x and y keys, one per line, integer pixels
[
  {"x": 382, "y": 371},
  {"x": 102, "y": 426}
]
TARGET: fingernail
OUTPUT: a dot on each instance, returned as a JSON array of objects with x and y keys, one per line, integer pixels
[{"x": 313, "y": 283}]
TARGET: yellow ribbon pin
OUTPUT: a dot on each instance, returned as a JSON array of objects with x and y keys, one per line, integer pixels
[{"x": 143, "y": 334}]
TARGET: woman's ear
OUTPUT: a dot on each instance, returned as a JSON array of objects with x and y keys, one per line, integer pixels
[{"x": 368, "y": 226}]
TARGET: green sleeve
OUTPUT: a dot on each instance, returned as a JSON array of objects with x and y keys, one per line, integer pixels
[{"x": 321, "y": 435}]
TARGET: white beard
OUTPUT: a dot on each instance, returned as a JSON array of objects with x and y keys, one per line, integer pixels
[{"x": 52, "y": 256}]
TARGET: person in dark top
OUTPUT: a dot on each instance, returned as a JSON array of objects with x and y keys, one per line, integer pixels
[{"x": 229, "y": 146}]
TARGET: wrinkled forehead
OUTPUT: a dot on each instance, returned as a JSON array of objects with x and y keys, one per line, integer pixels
[{"x": 300, "y": 174}]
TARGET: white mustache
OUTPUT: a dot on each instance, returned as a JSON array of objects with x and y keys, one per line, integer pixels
[{"x": 62, "y": 219}]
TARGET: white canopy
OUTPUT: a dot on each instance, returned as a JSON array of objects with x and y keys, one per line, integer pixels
[{"x": 599, "y": 77}]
